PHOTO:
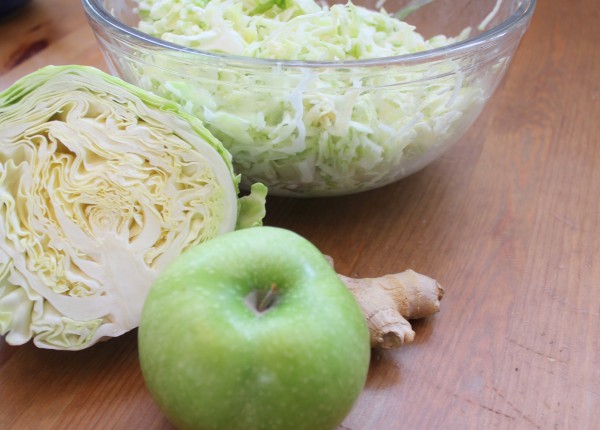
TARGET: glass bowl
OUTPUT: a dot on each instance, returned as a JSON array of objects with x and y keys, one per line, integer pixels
[{"x": 321, "y": 128}]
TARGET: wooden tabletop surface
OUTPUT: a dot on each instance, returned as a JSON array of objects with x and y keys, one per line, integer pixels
[{"x": 508, "y": 221}]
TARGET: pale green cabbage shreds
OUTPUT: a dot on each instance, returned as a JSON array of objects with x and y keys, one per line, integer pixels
[
  {"x": 306, "y": 130},
  {"x": 301, "y": 30},
  {"x": 101, "y": 186}
]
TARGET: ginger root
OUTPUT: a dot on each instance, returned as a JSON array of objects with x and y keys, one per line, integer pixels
[{"x": 388, "y": 302}]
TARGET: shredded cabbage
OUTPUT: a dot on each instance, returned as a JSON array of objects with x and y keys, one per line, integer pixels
[
  {"x": 305, "y": 130},
  {"x": 300, "y": 30},
  {"x": 101, "y": 186}
]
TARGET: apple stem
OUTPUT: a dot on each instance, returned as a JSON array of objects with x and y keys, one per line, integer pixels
[{"x": 268, "y": 299}]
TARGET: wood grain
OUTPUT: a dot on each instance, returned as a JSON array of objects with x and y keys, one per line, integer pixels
[{"x": 507, "y": 221}]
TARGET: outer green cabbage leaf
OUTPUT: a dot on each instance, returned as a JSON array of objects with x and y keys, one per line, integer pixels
[
  {"x": 102, "y": 184},
  {"x": 252, "y": 207}
]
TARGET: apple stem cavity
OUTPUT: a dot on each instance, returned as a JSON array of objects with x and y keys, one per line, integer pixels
[{"x": 260, "y": 301}]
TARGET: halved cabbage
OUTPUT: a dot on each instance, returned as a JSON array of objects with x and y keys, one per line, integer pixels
[{"x": 101, "y": 186}]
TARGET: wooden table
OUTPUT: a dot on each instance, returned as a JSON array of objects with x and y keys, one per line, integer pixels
[{"x": 508, "y": 221}]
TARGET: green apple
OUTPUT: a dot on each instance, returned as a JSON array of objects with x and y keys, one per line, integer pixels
[{"x": 253, "y": 330}]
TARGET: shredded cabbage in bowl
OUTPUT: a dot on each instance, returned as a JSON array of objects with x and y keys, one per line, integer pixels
[
  {"x": 285, "y": 30},
  {"x": 310, "y": 131}
]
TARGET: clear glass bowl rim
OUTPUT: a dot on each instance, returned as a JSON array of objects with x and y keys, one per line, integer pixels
[{"x": 518, "y": 20}]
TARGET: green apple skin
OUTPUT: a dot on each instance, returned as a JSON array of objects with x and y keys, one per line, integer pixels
[{"x": 211, "y": 362}]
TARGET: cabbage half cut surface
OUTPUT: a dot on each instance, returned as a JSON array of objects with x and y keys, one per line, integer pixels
[{"x": 101, "y": 186}]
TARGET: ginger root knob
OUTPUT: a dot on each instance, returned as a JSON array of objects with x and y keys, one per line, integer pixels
[{"x": 388, "y": 302}]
